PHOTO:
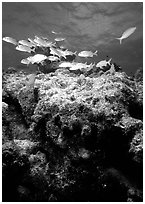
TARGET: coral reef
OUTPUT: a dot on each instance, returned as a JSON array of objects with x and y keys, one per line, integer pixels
[{"x": 72, "y": 137}]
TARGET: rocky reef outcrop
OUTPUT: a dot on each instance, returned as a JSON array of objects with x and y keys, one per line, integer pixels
[{"x": 70, "y": 137}]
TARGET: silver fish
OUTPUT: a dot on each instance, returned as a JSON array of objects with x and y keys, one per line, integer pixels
[
  {"x": 65, "y": 64},
  {"x": 67, "y": 52},
  {"x": 10, "y": 40},
  {"x": 90, "y": 66},
  {"x": 103, "y": 63},
  {"x": 126, "y": 34},
  {"x": 24, "y": 48},
  {"x": 76, "y": 66},
  {"x": 81, "y": 66},
  {"x": 26, "y": 43},
  {"x": 59, "y": 39},
  {"x": 55, "y": 32},
  {"x": 45, "y": 38},
  {"x": 38, "y": 58},
  {"x": 87, "y": 53},
  {"x": 25, "y": 61},
  {"x": 42, "y": 42},
  {"x": 54, "y": 51},
  {"x": 32, "y": 41},
  {"x": 53, "y": 58},
  {"x": 61, "y": 51},
  {"x": 62, "y": 47}
]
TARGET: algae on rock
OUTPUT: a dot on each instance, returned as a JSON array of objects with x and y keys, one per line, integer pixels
[{"x": 82, "y": 141}]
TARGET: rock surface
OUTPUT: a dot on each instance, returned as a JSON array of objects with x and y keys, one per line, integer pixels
[{"x": 72, "y": 137}]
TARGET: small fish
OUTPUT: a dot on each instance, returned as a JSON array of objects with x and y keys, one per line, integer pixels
[
  {"x": 59, "y": 39},
  {"x": 103, "y": 63},
  {"x": 86, "y": 66},
  {"x": 61, "y": 51},
  {"x": 75, "y": 66},
  {"x": 112, "y": 69},
  {"x": 32, "y": 41},
  {"x": 26, "y": 43},
  {"x": 25, "y": 61},
  {"x": 62, "y": 47},
  {"x": 53, "y": 58},
  {"x": 65, "y": 64},
  {"x": 83, "y": 65},
  {"x": 87, "y": 53},
  {"x": 24, "y": 48},
  {"x": 45, "y": 38},
  {"x": 54, "y": 51},
  {"x": 55, "y": 32},
  {"x": 126, "y": 34},
  {"x": 10, "y": 40},
  {"x": 42, "y": 42},
  {"x": 90, "y": 66},
  {"x": 67, "y": 52},
  {"x": 38, "y": 58}
]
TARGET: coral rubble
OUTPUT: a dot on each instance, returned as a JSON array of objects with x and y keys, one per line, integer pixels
[{"x": 72, "y": 137}]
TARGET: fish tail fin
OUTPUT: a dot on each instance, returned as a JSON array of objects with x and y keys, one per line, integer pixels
[
  {"x": 109, "y": 61},
  {"x": 120, "y": 39},
  {"x": 95, "y": 53},
  {"x": 64, "y": 56},
  {"x": 32, "y": 50}
]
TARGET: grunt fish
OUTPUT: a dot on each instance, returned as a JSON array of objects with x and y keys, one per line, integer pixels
[
  {"x": 38, "y": 58},
  {"x": 75, "y": 66},
  {"x": 54, "y": 51},
  {"x": 24, "y": 48},
  {"x": 42, "y": 42},
  {"x": 87, "y": 53},
  {"x": 55, "y": 32},
  {"x": 26, "y": 43},
  {"x": 65, "y": 64},
  {"x": 126, "y": 34},
  {"x": 44, "y": 38},
  {"x": 32, "y": 41},
  {"x": 59, "y": 39},
  {"x": 103, "y": 63},
  {"x": 10, "y": 40},
  {"x": 78, "y": 65},
  {"x": 62, "y": 47},
  {"x": 67, "y": 52},
  {"x": 53, "y": 58},
  {"x": 25, "y": 61},
  {"x": 90, "y": 66}
]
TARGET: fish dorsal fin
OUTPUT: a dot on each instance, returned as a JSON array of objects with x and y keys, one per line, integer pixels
[{"x": 109, "y": 60}]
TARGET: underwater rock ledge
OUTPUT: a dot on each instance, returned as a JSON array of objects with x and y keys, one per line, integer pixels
[{"x": 72, "y": 138}]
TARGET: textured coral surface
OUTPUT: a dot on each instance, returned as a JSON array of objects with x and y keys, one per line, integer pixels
[{"x": 69, "y": 137}]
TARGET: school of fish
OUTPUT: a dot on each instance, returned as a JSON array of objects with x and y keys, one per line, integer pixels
[{"x": 53, "y": 52}]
